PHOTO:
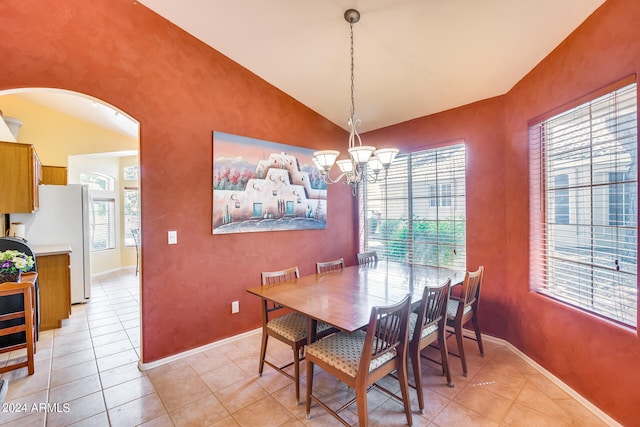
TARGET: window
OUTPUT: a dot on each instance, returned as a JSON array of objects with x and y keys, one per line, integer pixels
[
  {"x": 103, "y": 224},
  {"x": 418, "y": 214},
  {"x": 561, "y": 195},
  {"x": 584, "y": 201},
  {"x": 130, "y": 173},
  {"x": 97, "y": 181},
  {"x": 131, "y": 206}
]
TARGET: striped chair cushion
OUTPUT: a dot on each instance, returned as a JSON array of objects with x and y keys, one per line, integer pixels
[
  {"x": 413, "y": 319},
  {"x": 452, "y": 309},
  {"x": 294, "y": 326},
  {"x": 343, "y": 351}
]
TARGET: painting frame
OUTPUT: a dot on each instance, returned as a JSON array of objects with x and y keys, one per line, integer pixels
[{"x": 261, "y": 186}]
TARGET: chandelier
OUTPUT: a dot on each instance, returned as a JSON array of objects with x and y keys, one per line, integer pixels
[{"x": 365, "y": 162}]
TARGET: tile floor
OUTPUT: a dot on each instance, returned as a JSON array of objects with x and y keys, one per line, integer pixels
[{"x": 87, "y": 373}]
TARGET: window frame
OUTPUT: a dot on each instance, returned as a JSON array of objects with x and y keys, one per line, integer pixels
[
  {"x": 427, "y": 194},
  {"x": 591, "y": 269}
]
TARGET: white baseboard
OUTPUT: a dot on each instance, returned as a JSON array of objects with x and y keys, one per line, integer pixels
[
  {"x": 571, "y": 392},
  {"x": 173, "y": 358}
]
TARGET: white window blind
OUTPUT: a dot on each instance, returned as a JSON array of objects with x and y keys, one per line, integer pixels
[
  {"x": 584, "y": 206},
  {"x": 418, "y": 214},
  {"x": 103, "y": 225}
]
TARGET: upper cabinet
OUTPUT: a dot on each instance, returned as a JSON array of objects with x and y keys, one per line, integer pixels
[
  {"x": 20, "y": 174},
  {"x": 54, "y": 175}
]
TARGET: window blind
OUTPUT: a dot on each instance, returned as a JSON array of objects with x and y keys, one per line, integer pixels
[
  {"x": 584, "y": 205},
  {"x": 418, "y": 214},
  {"x": 103, "y": 234}
]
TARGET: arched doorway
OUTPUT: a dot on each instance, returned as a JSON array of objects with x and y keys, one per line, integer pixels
[{"x": 90, "y": 138}]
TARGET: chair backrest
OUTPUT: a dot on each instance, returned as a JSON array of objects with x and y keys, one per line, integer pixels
[
  {"x": 433, "y": 308},
  {"x": 270, "y": 277},
  {"x": 387, "y": 332},
  {"x": 471, "y": 286},
  {"x": 367, "y": 257},
  {"x": 275, "y": 277},
  {"x": 328, "y": 266}
]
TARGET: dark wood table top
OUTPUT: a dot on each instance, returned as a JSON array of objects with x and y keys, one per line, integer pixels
[{"x": 344, "y": 299}]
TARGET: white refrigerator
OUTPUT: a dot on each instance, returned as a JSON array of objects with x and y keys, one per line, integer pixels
[{"x": 63, "y": 219}]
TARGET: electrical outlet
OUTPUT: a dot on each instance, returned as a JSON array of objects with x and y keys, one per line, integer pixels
[
  {"x": 235, "y": 307},
  {"x": 172, "y": 237}
]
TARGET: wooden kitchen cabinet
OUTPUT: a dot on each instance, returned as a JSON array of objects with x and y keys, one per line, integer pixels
[
  {"x": 54, "y": 175},
  {"x": 54, "y": 282},
  {"x": 20, "y": 172}
]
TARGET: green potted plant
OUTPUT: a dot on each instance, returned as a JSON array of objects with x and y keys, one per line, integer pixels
[{"x": 12, "y": 264}]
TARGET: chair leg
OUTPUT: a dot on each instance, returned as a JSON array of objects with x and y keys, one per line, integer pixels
[
  {"x": 444, "y": 354},
  {"x": 361, "y": 402},
  {"x": 263, "y": 351},
  {"x": 310, "y": 366},
  {"x": 417, "y": 376},
  {"x": 404, "y": 388},
  {"x": 476, "y": 328},
  {"x": 459, "y": 338},
  {"x": 296, "y": 372}
]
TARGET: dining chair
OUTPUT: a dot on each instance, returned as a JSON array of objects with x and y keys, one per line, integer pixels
[
  {"x": 426, "y": 326},
  {"x": 367, "y": 257},
  {"x": 328, "y": 266},
  {"x": 289, "y": 328},
  {"x": 464, "y": 308},
  {"x": 360, "y": 359},
  {"x": 25, "y": 317}
]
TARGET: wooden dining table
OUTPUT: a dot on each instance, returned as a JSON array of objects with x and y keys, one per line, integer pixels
[{"x": 344, "y": 298}]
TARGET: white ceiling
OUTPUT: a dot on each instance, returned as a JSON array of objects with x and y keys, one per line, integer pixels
[{"x": 412, "y": 57}]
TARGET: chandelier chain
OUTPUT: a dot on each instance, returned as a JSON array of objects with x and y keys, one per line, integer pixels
[{"x": 353, "y": 108}]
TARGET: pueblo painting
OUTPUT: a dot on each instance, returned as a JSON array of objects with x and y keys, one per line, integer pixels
[{"x": 265, "y": 186}]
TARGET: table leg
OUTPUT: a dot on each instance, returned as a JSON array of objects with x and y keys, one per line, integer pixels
[{"x": 311, "y": 332}]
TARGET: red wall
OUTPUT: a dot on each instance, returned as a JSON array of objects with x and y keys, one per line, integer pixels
[
  {"x": 599, "y": 360},
  {"x": 180, "y": 91}
]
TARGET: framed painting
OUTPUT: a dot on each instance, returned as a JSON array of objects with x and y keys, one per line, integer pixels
[{"x": 265, "y": 186}]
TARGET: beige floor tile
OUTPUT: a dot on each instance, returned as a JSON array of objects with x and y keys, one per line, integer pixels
[
  {"x": 179, "y": 387},
  {"x": 114, "y": 360},
  {"x": 27, "y": 384},
  {"x": 72, "y": 373},
  {"x": 21, "y": 407},
  {"x": 137, "y": 411},
  {"x": 201, "y": 412},
  {"x": 491, "y": 405},
  {"x": 218, "y": 379},
  {"x": 522, "y": 416},
  {"x": 71, "y": 359},
  {"x": 532, "y": 397},
  {"x": 161, "y": 421},
  {"x": 36, "y": 419},
  {"x": 112, "y": 348},
  {"x": 79, "y": 409},
  {"x": 130, "y": 390},
  {"x": 120, "y": 374},
  {"x": 265, "y": 412},
  {"x": 75, "y": 389},
  {"x": 241, "y": 394},
  {"x": 455, "y": 414},
  {"x": 98, "y": 420}
]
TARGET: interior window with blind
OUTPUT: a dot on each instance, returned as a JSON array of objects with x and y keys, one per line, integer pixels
[
  {"x": 131, "y": 207},
  {"x": 103, "y": 224},
  {"x": 418, "y": 214},
  {"x": 584, "y": 206}
]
